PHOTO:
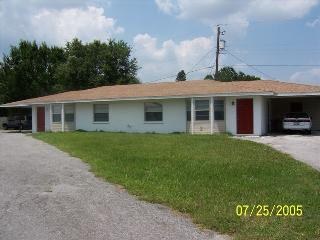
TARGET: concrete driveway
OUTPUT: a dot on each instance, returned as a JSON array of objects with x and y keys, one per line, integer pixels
[
  {"x": 305, "y": 148},
  {"x": 46, "y": 194}
]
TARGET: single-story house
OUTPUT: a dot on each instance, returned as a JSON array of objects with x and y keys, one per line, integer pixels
[{"x": 198, "y": 106}]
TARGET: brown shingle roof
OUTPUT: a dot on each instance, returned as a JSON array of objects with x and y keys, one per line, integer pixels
[{"x": 174, "y": 89}]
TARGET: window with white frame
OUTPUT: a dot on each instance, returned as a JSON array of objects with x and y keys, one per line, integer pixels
[
  {"x": 68, "y": 113},
  {"x": 101, "y": 113},
  {"x": 202, "y": 109},
  {"x": 219, "y": 110},
  {"x": 153, "y": 112},
  {"x": 56, "y": 113},
  {"x": 188, "y": 103}
]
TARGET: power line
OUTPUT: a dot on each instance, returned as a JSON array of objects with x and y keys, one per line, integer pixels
[
  {"x": 199, "y": 69},
  {"x": 191, "y": 69},
  {"x": 241, "y": 65},
  {"x": 239, "y": 59},
  {"x": 171, "y": 76},
  {"x": 163, "y": 78},
  {"x": 277, "y": 50},
  {"x": 278, "y": 65},
  {"x": 202, "y": 58}
]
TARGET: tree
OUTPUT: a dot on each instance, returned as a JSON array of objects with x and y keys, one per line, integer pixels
[
  {"x": 28, "y": 70},
  {"x": 3, "y": 85},
  {"x": 229, "y": 74},
  {"x": 32, "y": 70},
  {"x": 244, "y": 77},
  {"x": 208, "y": 77},
  {"x": 97, "y": 64},
  {"x": 181, "y": 76}
]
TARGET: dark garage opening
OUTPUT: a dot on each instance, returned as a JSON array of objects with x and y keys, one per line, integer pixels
[
  {"x": 15, "y": 116},
  {"x": 278, "y": 107}
]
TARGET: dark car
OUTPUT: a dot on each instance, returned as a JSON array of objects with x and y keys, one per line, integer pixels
[{"x": 18, "y": 122}]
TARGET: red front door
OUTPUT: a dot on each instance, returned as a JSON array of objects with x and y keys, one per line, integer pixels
[
  {"x": 40, "y": 119},
  {"x": 245, "y": 116}
]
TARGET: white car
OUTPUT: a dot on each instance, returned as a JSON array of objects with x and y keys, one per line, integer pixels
[{"x": 297, "y": 122}]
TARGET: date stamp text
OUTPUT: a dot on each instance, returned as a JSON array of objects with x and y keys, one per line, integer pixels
[{"x": 261, "y": 210}]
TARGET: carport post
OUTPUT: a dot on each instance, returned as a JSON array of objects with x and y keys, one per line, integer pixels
[
  {"x": 192, "y": 115},
  {"x": 50, "y": 117},
  {"x": 34, "y": 118},
  {"x": 211, "y": 115},
  {"x": 62, "y": 117}
]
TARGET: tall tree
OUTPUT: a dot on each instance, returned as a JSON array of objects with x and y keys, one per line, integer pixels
[
  {"x": 32, "y": 70},
  {"x": 28, "y": 70},
  {"x": 228, "y": 74},
  {"x": 97, "y": 64},
  {"x": 181, "y": 76},
  {"x": 3, "y": 85}
]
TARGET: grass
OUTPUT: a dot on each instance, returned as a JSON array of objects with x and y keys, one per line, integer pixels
[{"x": 205, "y": 177}]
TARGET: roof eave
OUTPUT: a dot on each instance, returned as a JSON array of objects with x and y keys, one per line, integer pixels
[
  {"x": 15, "y": 105},
  {"x": 230, "y": 94},
  {"x": 297, "y": 94}
]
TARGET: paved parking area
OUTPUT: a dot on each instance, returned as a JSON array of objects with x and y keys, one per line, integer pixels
[
  {"x": 305, "y": 148},
  {"x": 46, "y": 194}
]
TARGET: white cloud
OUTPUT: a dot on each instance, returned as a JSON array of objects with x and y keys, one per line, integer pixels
[
  {"x": 237, "y": 12},
  {"x": 166, "y": 6},
  {"x": 169, "y": 57},
  {"x": 280, "y": 9},
  {"x": 311, "y": 76},
  {"x": 314, "y": 23},
  {"x": 54, "y": 21},
  {"x": 59, "y": 26}
]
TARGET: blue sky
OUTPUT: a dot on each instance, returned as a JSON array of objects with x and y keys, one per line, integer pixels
[{"x": 170, "y": 35}]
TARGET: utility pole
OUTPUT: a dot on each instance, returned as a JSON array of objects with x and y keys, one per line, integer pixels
[{"x": 217, "y": 53}]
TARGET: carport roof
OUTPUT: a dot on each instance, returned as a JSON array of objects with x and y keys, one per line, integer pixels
[{"x": 182, "y": 89}]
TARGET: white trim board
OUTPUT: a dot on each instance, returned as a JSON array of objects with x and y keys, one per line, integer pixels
[{"x": 270, "y": 94}]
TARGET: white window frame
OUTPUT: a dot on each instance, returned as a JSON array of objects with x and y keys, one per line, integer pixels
[
  {"x": 94, "y": 112},
  {"x": 56, "y": 110},
  {"x": 145, "y": 112},
  {"x": 201, "y": 110},
  {"x": 214, "y": 109},
  {"x": 188, "y": 109},
  {"x": 69, "y": 109}
]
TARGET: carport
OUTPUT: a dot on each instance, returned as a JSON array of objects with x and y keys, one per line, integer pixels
[
  {"x": 14, "y": 115},
  {"x": 278, "y": 106}
]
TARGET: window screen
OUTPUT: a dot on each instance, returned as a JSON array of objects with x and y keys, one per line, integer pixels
[
  {"x": 101, "y": 113},
  {"x": 202, "y": 109},
  {"x": 69, "y": 113},
  {"x": 56, "y": 113},
  {"x": 188, "y": 110},
  {"x": 152, "y": 112},
  {"x": 218, "y": 110}
]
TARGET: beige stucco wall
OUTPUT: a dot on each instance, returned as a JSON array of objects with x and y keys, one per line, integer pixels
[
  {"x": 69, "y": 126},
  {"x": 259, "y": 114},
  {"x": 204, "y": 127},
  {"x": 56, "y": 127},
  {"x": 128, "y": 116}
]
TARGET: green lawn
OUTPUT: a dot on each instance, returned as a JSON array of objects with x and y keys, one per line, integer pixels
[{"x": 205, "y": 177}]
